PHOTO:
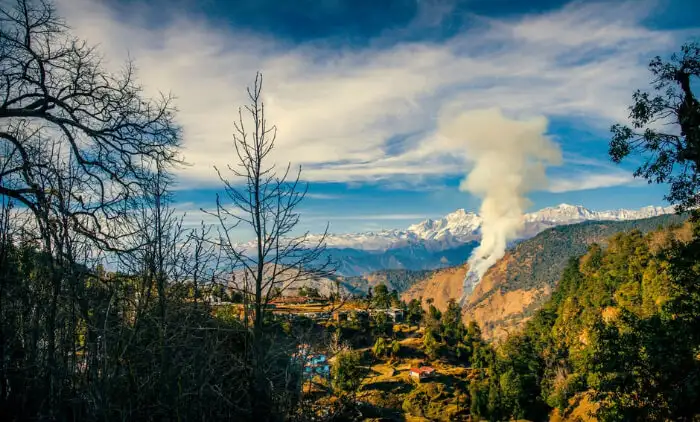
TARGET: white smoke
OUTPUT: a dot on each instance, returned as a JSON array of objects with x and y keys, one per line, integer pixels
[{"x": 509, "y": 159}]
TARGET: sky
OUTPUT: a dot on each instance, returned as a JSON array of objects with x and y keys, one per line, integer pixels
[{"x": 357, "y": 89}]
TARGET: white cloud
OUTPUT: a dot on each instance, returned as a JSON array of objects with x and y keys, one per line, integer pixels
[
  {"x": 366, "y": 217},
  {"x": 586, "y": 181},
  {"x": 336, "y": 108},
  {"x": 321, "y": 196}
]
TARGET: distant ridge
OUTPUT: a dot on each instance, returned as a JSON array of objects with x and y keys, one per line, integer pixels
[
  {"x": 461, "y": 226},
  {"x": 448, "y": 241}
]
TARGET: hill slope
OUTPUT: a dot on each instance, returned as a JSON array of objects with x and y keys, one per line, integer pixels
[
  {"x": 399, "y": 280},
  {"x": 524, "y": 278},
  {"x": 616, "y": 337},
  {"x": 414, "y": 256}
]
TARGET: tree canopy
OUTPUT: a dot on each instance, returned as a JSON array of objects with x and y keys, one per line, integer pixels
[{"x": 671, "y": 154}]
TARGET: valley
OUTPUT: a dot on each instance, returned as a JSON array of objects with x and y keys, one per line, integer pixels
[
  {"x": 513, "y": 289},
  {"x": 183, "y": 239},
  {"x": 607, "y": 305}
]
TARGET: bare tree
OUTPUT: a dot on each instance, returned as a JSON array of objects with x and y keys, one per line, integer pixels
[
  {"x": 88, "y": 158},
  {"x": 79, "y": 147},
  {"x": 53, "y": 87},
  {"x": 264, "y": 200}
]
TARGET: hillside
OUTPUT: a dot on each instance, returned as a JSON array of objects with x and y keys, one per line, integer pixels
[
  {"x": 618, "y": 336},
  {"x": 441, "y": 286},
  {"x": 524, "y": 278},
  {"x": 399, "y": 280},
  {"x": 413, "y": 256}
]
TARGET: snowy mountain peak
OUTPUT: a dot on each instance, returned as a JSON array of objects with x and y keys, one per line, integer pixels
[
  {"x": 456, "y": 223},
  {"x": 561, "y": 213},
  {"x": 460, "y": 213},
  {"x": 461, "y": 216}
]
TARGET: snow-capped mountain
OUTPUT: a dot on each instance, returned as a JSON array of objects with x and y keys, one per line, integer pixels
[
  {"x": 566, "y": 214},
  {"x": 461, "y": 226}
]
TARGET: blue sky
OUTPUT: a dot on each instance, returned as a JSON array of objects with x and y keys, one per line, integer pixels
[{"x": 357, "y": 89}]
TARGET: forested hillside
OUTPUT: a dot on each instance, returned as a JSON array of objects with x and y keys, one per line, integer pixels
[
  {"x": 620, "y": 337},
  {"x": 544, "y": 257}
]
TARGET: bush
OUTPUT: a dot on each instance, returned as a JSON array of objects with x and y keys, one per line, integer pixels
[{"x": 347, "y": 372}]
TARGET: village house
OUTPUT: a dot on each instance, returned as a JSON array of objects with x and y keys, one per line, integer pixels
[
  {"x": 396, "y": 315},
  {"x": 421, "y": 373}
]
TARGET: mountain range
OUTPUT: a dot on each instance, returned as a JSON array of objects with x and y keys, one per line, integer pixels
[
  {"x": 520, "y": 282},
  {"x": 448, "y": 241}
]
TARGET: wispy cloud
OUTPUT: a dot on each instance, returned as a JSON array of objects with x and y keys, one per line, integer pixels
[
  {"x": 322, "y": 196},
  {"x": 586, "y": 181},
  {"x": 337, "y": 108},
  {"x": 366, "y": 217}
]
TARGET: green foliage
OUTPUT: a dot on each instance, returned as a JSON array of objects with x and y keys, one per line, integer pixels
[
  {"x": 547, "y": 253},
  {"x": 494, "y": 400},
  {"x": 434, "y": 314},
  {"x": 414, "y": 313},
  {"x": 381, "y": 298},
  {"x": 431, "y": 347},
  {"x": 395, "y": 348},
  {"x": 381, "y": 326},
  {"x": 607, "y": 331},
  {"x": 479, "y": 398},
  {"x": 432, "y": 401},
  {"x": 452, "y": 326},
  {"x": 347, "y": 371},
  {"x": 670, "y": 158},
  {"x": 447, "y": 337},
  {"x": 380, "y": 347}
]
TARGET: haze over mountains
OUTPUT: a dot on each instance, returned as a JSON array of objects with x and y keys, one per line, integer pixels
[{"x": 448, "y": 241}]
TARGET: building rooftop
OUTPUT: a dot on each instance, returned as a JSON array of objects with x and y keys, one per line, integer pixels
[{"x": 423, "y": 370}]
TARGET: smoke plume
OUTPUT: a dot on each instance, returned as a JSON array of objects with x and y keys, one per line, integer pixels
[{"x": 509, "y": 159}]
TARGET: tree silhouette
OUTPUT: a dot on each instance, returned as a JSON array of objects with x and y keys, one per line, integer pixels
[
  {"x": 263, "y": 200},
  {"x": 670, "y": 157}
]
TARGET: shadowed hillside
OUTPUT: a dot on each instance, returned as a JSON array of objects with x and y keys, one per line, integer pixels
[{"x": 416, "y": 256}]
